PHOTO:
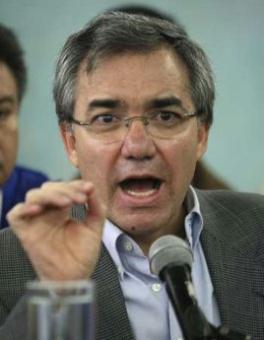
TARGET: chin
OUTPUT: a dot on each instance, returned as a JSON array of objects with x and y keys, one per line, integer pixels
[{"x": 138, "y": 225}]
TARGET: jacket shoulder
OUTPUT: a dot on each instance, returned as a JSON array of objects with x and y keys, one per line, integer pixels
[
  {"x": 15, "y": 267},
  {"x": 231, "y": 200},
  {"x": 226, "y": 208}
]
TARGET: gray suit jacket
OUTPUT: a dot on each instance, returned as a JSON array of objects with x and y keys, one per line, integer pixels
[{"x": 233, "y": 243}]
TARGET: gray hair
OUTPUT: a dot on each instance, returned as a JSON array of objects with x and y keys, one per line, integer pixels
[{"x": 118, "y": 33}]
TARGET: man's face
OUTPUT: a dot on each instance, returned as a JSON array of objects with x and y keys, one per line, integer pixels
[
  {"x": 142, "y": 179},
  {"x": 8, "y": 122}
]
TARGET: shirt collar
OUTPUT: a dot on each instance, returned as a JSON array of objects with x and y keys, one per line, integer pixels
[
  {"x": 193, "y": 220},
  {"x": 1, "y": 203},
  {"x": 111, "y": 234}
]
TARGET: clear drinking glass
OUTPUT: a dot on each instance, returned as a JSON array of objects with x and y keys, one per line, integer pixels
[{"x": 61, "y": 310}]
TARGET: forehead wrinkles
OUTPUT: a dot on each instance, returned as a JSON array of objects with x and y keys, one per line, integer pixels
[{"x": 134, "y": 76}]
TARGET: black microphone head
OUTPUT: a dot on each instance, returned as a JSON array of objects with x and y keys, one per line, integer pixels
[{"x": 168, "y": 250}]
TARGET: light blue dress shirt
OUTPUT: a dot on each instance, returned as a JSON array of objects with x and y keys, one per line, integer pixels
[
  {"x": 149, "y": 309},
  {"x": 1, "y": 201}
]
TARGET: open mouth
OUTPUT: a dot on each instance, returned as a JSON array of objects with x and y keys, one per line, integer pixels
[{"x": 140, "y": 187}]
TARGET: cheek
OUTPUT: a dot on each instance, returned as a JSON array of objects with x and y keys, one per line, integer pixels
[
  {"x": 8, "y": 154},
  {"x": 181, "y": 156},
  {"x": 8, "y": 144},
  {"x": 180, "y": 150},
  {"x": 96, "y": 163}
]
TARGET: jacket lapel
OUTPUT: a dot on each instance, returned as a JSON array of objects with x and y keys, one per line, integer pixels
[{"x": 113, "y": 322}]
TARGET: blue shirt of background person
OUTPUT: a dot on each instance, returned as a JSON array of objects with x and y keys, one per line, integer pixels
[
  {"x": 15, "y": 188},
  {"x": 14, "y": 181}
]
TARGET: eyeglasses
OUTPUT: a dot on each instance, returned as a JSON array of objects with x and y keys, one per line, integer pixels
[{"x": 113, "y": 127}]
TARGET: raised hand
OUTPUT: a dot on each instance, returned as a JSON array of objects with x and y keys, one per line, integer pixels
[{"x": 59, "y": 247}]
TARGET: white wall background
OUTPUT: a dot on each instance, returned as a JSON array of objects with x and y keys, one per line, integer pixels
[{"x": 231, "y": 32}]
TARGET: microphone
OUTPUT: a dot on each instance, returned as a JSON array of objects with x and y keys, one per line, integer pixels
[{"x": 171, "y": 259}]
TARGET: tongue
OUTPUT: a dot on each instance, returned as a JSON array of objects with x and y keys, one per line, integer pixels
[{"x": 139, "y": 185}]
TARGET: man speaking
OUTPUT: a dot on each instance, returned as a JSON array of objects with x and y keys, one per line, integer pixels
[{"x": 134, "y": 99}]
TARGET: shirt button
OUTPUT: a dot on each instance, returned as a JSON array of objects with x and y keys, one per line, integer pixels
[
  {"x": 156, "y": 287},
  {"x": 120, "y": 270},
  {"x": 128, "y": 246}
]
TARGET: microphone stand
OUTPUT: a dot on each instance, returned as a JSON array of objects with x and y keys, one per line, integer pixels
[{"x": 191, "y": 319}]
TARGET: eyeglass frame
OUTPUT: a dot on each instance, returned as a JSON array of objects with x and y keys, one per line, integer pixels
[{"x": 128, "y": 120}]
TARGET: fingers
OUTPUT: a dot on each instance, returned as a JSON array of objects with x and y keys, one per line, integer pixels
[
  {"x": 97, "y": 209},
  {"x": 60, "y": 194},
  {"x": 23, "y": 210},
  {"x": 48, "y": 233},
  {"x": 57, "y": 199}
]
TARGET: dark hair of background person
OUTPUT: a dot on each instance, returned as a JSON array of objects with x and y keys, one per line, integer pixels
[
  {"x": 12, "y": 55},
  {"x": 204, "y": 178}
]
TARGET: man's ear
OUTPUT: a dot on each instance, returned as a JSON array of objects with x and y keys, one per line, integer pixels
[
  {"x": 69, "y": 142},
  {"x": 203, "y": 133}
]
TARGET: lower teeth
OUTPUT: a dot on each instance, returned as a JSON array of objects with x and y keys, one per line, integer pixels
[{"x": 140, "y": 193}]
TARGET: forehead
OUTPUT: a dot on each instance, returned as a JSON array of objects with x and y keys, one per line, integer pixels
[
  {"x": 8, "y": 85},
  {"x": 135, "y": 78}
]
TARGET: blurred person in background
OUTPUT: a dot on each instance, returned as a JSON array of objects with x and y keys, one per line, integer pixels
[{"x": 15, "y": 180}]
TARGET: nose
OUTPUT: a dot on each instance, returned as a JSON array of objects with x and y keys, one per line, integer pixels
[{"x": 138, "y": 144}]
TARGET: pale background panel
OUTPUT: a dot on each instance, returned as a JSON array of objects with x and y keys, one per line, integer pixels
[{"x": 231, "y": 32}]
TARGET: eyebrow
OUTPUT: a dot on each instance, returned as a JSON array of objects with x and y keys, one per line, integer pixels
[
  {"x": 163, "y": 102},
  {"x": 7, "y": 99},
  {"x": 153, "y": 103},
  {"x": 104, "y": 103}
]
